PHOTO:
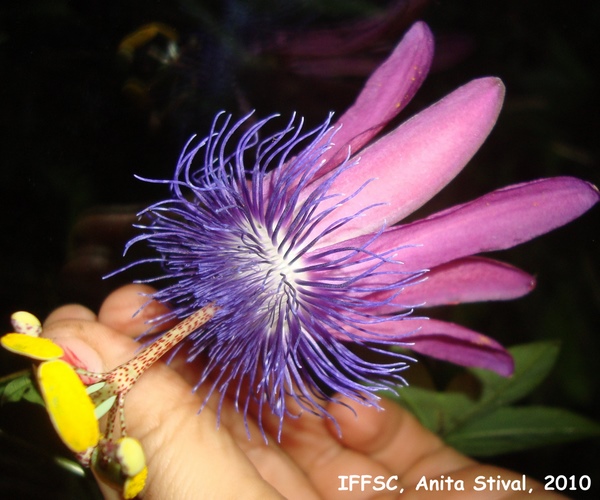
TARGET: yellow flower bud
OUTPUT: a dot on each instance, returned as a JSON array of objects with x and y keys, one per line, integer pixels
[{"x": 27, "y": 323}]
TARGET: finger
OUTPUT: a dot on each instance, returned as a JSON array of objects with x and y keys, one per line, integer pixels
[
  {"x": 277, "y": 467},
  {"x": 326, "y": 461},
  {"x": 396, "y": 439},
  {"x": 321, "y": 456},
  {"x": 183, "y": 446},
  {"x": 393, "y": 437},
  {"x": 70, "y": 311},
  {"x": 87, "y": 343},
  {"x": 76, "y": 330},
  {"x": 63, "y": 325},
  {"x": 129, "y": 309}
]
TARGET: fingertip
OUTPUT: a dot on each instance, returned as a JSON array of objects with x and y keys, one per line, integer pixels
[
  {"x": 380, "y": 433},
  {"x": 69, "y": 312},
  {"x": 80, "y": 354},
  {"x": 362, "y": 427},
  {"x": 90, "y": 345},
  {"x": 68, "y": 327},
  {"x": 129, "y": 308}
]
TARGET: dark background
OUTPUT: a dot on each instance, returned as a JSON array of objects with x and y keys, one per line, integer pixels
[{"x": 72, "y": 137}]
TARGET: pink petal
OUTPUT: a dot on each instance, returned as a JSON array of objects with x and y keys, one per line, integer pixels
[
  {"x": 461, "y": 346},
  {"x": 499, "y": 220},
  {"x": 414, "y": 162},
  {"x": 347, "y": 39},
  {"x": 449, "y": 342},
  {"x": 471, "y": 279},
  {"x": 387, "y": 91}
]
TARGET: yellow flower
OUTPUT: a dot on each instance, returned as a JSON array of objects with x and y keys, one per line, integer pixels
[
  {"x": 122, "y": 464},
  {"x": 70, "y": 408},
  {"x": 32, "y": 347},
  {"x": 134, "y": 485}
]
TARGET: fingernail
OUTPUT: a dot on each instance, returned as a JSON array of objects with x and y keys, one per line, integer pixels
[{"x": 80, "y": 355}]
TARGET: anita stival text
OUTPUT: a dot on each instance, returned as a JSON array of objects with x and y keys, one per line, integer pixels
[{"x": 442, "y": 483}]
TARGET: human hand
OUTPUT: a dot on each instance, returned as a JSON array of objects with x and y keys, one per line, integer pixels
[{"x": 190, "y": 457}]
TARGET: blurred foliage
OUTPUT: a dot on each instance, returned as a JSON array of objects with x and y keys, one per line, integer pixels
[
  {"x": 488, "y": 424},
  {"x": 72, "y": 140}
]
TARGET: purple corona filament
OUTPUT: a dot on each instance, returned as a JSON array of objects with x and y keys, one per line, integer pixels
[{"x": 286, "y": 310}]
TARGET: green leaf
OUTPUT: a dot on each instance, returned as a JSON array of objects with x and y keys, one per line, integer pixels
[
  {"x": 19, "y": 386},
  {"x": 437, "y": 411},
  {"x": 513, "y": 429},
  {"x": 533, "y": 363},
  {"x": 487, "y": 426},
  {"x": 32, "y": 395}
]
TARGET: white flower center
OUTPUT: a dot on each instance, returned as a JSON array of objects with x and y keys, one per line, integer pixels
[{"x": 278, "y": 279}]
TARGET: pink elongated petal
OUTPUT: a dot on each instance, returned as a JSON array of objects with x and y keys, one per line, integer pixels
[
  {"x": 387, "y": 91},
  {"x": 461, "y": 346},
  {"x": 411, "y": 164},
  {"x": 496, "y": 221},
  {"x": 471, "y": 279},
  {"x": 450, "y": 342},
  {"x": 499, "y": 220}
]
